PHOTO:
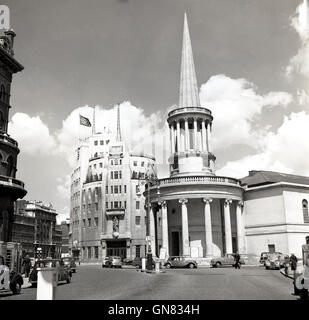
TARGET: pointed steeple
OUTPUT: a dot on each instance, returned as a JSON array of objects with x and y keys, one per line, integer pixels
[
  {"x": 118, "y": 138},
  {"x": 188, "y": 92}
]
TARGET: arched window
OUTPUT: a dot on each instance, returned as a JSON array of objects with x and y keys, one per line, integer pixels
[
  {"x": 10, "y": 166},
  {"x": 305, "y": 211}
]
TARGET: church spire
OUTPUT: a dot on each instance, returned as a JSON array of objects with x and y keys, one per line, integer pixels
[
  {"x": 188, "y": 92},
  {"x": 118, "y": 138}
]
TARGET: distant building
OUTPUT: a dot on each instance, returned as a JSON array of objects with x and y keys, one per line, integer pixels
[
  {"x": 107, "y": 205},
  {"x": 35, "y": 229},
  {"x": 10, "y": 188},
  {"x": 65, "y": 237}
]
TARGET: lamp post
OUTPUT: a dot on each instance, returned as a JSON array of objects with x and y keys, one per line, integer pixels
[{"x": 148, "y": 180}]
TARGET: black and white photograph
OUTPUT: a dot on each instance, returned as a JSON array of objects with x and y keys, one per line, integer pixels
[{"x": 154, "y": 151}]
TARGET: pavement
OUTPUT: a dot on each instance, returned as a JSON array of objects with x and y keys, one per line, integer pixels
[{"x": 92, "y": 282}]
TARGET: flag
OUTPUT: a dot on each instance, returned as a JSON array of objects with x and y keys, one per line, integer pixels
[{"x": 84, "y": 121}]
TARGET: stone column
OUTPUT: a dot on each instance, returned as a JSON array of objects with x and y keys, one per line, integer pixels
[
  {"x": 185, "y": 227},
  {"x": 209, "y": 137},
  {"x": 227, "y": 226},
  {"x": 172, "y": 130},
  {"x": 152, "y": 230},
  {"x": 208, "y": 228},
  {"x": 187, "y": 140},
  {"x": 178, "y": 136},
  {"x": 240, "y": 228},
  {"x": 195, "y": 134},
  {"x": 204, "y": 137},
  {"x": 164, "y": 228}
]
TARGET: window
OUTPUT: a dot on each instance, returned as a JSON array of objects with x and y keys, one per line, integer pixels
[
  {"x": 96, "y": 206},
  {"x": 96, "y": 252},
  {"x": 112, "y": 191},
  {"x": 125, "y": 188},
  {"x": 84, "y": 223},
  {"x": 89, "y": 252},
  {"x": 134, "y": 163},
  {"x": 101, "y": 165},
  {"x": 94, "y": 166},
  {"x": 116, "y": 162},
  {"x": 159, "y": 221},
  {"x": 138, "y": 251},
  {"x": 96, "y": 154},
  {"x": 112, "y": 175},
  {"x": 96, "y": 142},
  {"x": 116, "y": 204},
  {"x": 107, "y": 141},
  {"x": 96, "y": 221},
  {"x": 137, "y": 205},
  {"x": 115, "y": 189},
  {"x": 137, "y": 220},
  {"x": 142, "y": 164},
  {"x": 89, "y": 222},
  {"x": 305, "y": 211},
  {"x": 120, "y": 161},
  {"x": 106, "y": 205},
  {"x": 112, "y": 162},
  {"x": 111, "y": 204},
  {"x": 137, "y": 188},
  {"x": 120, "y": 189},
  {"x": 106, "y": 189},
  {"x": 120, "y": 174},
  {"x": 116, "y": 175},
  {"x": 101, "y": 142}
]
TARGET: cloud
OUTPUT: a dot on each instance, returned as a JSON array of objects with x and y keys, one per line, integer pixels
[
  {"x": 32, "y": 134},
  {"x": 299, "y": 63},
  {"x": 235, "y": 104},
  {"x": 285, "y": 150}
]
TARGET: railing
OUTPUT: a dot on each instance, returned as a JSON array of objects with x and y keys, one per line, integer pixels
[
  {"x": 6, "y": 138},
  {"x": 11, "y": 181},
  {"x": 198, "y": 179},
  {"x": 188, "y": 109}
]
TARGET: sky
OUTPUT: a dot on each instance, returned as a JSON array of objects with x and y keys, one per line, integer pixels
[{"x": 252, "y": 65}]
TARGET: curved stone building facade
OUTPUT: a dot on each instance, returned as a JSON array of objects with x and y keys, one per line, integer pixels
[
  {"x": 11, "y": 189},
  {"x": 196, "y": 213}
]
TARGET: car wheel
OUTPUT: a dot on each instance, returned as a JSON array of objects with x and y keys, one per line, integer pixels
[
  {"x": 191, "y": 265},
  {"x": 218, "y": 264},
  {"x": 267, "y": 268},
  {"x": 33, "y": 285},
  {"x": 69, "y": 279},
  {"x": 168, "y": 266}
]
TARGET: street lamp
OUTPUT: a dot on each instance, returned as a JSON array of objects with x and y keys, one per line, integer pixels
[{"x": 148, "y": 181}]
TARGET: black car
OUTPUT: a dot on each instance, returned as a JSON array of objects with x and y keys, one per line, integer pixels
[
  {"x": 137, "y": 262},
  {"x": 64, "y": 272},
  {"x": 69, "y": 261}
]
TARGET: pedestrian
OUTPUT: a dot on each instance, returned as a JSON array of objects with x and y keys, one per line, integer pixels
[
  {"x": 237, "y": 260},
  {"x": 293, "y": 260},
  {"x": 26, "y": 265}
]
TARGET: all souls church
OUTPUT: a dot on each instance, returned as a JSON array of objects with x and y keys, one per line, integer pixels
[{"x": 204, "y": 215}]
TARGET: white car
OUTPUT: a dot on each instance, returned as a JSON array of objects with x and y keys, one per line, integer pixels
[{"x": 9, "y": 281}]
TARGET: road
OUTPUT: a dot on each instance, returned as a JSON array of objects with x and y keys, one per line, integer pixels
[{"x": 95, "y": 283}]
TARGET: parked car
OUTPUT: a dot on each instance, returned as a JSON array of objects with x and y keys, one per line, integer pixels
[
  {"x": 112, "y": 262},
  {"x": 276, "y": 261},
  {"x": 69, "y": 261},
  {"x": 10, "y": 281},
  {"x": 137, "y": 262},
  {"x": 265, "y": 255},
  {"x": 180, "y": 262},
  {"x": 226, "y": 260},
  {"x": 64, "y": 271}
]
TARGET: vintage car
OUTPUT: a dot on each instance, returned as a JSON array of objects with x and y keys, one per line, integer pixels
[
  {"x": 137, "y": 262},
  {"x": 226, "y": 260},
  {"x": 276, "y": 261},
  {"x": 180, "y": 262},
  {"x": 265, "y": 255},
  {"x": 9, "y": 281},
  {"x": 112, "y": 262},
  {"x": 69, "y": 261},
  {"x": 64, "y": 272}
]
